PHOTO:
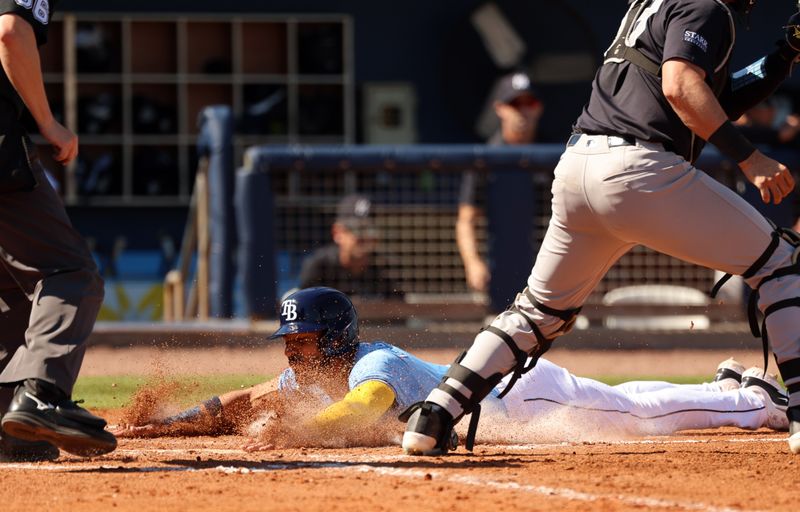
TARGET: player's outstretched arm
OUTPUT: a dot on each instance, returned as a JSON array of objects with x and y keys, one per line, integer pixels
[
  {"x": 363, "y": 406},
  {"x": 231, "y": 408}
]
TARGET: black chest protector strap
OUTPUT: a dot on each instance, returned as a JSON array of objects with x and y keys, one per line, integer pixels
[{"x": 619, "y": 50}]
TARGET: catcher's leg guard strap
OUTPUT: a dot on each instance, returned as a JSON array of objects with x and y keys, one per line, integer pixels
[
  {"x": 478, "y": 386},
  {"x": 790, "y": 371},
  {"x": 793, "y": 238},
  {"x": 755, "y": 267},
  {"x": 543, "y": 345},
  {"x": 567, "y": 315}
]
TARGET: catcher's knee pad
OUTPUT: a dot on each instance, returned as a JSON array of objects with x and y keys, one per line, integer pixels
[
  {"x": 790, "y": 370},
  {"x": 479, "y": 385},
  {"x": 468, "y": 387},
  {"x": 567, "y": 316}
]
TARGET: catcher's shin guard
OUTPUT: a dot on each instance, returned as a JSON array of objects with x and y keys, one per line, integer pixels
[
  {"x": 429, "y": 429},
  {"x": 462, "y": 388},
  {"x": 772, "y": 294},
  {"x": 760, "y": 331},
  {"x": 793, "y": 413}
]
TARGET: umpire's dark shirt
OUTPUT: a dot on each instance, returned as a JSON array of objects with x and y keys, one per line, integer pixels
[
  {"x": 322, "y": 268},
  {"x": 38, "y": 13},
  {"x": 626, "y": 100}
]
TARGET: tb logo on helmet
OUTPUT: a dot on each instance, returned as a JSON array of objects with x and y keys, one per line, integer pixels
[{"x": 289, "y": 310}]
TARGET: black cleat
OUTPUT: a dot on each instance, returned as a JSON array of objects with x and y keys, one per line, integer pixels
[
  {"x": 775, "y": 398},
  {"x": 64, "y": 424},
  {"x": 17, "y": 450},
  {"x": 729, "y": 369},
  {"x": 429, "y": 430}
]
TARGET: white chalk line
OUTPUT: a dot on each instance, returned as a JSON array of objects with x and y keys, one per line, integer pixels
[
  {"x": 344, "y": 462},
  {"x": 561, "y": 492},
  {"x": 643, "y": 442},
  {"x": 360, "y": 458},
  {"x": 558, "y": 492}
]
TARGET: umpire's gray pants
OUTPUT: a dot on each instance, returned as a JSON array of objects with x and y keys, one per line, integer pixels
[
  {"x": 50, "y": 290},
  {"x": 605, "y": 201}
]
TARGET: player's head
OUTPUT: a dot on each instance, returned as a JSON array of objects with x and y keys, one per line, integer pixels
[
  {"x": 322, "y": 315},
  {"x": 518, "y": 108},
  {"x": 354, "y": 231}
]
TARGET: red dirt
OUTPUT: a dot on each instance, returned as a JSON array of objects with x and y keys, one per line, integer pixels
[{"x": 724, "y": 469}]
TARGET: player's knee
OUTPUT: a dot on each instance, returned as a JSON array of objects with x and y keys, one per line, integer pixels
[{"x": 549, "y": 321}]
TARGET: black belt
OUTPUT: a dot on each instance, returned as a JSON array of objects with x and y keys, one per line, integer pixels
[{"x": 613, "y": 140}]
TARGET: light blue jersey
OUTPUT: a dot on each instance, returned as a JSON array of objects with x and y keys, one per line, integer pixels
[{"x": 410, "y": 378}]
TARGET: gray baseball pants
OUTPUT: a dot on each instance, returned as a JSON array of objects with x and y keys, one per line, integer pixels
[
  {"x": 50, "y": 290},
  {"x": 605, "y": 201}
]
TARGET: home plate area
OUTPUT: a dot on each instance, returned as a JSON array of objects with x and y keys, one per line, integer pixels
[{"x": 724, "y": 469}]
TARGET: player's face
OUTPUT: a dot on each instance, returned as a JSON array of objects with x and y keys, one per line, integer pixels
[
  {"x": 302, "y": 350},
  {"x": 309, "y": 365},
  {"x": 519, "y": 119},
  {"x": 356, "y": 248}
]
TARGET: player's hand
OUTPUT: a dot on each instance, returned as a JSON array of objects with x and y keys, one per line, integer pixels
[
  {"x": 770, "y": 177},
  {"x": 478, "y": 275},
  {"x": 149, "y": 430},
  {"x": 254, "y": 445},
  {"x": 64, "y": 142}
]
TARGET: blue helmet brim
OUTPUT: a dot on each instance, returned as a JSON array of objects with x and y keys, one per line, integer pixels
[{"x": 295, "y": 328}]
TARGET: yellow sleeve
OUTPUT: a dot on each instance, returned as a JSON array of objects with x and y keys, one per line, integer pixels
[{"x": 362, "y": 406}]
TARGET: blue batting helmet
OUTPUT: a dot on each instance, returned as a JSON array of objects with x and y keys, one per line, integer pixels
[{"x": 325, "y": 311}]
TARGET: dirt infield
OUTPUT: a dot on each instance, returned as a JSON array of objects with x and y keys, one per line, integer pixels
[
  {"x": 727, "y": 469},
  {"x": 724, "y": 469}
]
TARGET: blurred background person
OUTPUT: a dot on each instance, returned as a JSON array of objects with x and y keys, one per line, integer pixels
[
  {"x": 772, "y": 122},
  {"x": 348, "y": 264},
  {"x": 518, "y": 110}
]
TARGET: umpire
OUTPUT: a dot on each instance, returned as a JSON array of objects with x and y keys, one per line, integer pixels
[
  {"x": 50, "y": 291},
  {"x": 627, "y": 178}
]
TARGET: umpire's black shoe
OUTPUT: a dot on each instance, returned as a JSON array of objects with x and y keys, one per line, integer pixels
[
  {"x": 61, "y": 422},
  {"x": 429, "y": 430},
  {"x": 18, "y": 450}
]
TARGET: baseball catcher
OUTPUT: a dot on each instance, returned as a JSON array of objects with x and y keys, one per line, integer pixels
[{"x": 627, "y": 178}]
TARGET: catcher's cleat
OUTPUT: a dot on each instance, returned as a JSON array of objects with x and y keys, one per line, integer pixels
[
  {"x": 429, "y": 430},
  {"x": 729, "y": 369},
  {"x": 775, "y": 398},
  {"x": 18, "y": 450},
  {"x": 793, "y": 415},
  {"x": 63, "y": 423}
]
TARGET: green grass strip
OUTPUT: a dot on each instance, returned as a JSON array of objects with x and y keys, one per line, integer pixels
[
  {"x": 683, "y": 379},
  {"x": 115, "y": 392}
]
